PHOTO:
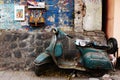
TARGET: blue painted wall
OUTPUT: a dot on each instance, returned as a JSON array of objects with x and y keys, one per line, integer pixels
[{"x": 59, "y": 13}]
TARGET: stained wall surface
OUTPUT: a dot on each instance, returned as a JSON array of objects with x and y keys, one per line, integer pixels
[{"x": 93, "y": 17}]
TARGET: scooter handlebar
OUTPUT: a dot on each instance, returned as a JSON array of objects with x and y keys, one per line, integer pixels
[{"x": 58, "y": 31}]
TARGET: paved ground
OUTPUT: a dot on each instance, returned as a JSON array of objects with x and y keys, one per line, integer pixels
[
  {"x": 29, "y": 75},
  {"x": 21, "y": 75}
]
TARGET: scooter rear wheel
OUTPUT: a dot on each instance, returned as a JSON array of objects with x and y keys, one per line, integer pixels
[
  {"x": 97, "y": 73},
  {"x": 112, "y": 43}
]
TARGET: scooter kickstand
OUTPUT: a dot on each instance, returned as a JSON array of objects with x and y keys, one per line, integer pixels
[{"x": 72, "y": 75}]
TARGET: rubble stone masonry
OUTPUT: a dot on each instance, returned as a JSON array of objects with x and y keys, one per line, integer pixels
[{"x": 18, "y": 49}]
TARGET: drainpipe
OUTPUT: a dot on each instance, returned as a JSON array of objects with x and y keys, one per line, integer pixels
[{"x": 110, "y": 18}]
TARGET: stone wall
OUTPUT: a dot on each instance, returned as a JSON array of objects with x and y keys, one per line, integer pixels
[{"x": 19, "y": 49}]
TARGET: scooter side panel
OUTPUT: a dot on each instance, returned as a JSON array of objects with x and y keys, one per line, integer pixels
[
  {"x": 97, "y": 60},
  {"x": 58, "y": 49}
]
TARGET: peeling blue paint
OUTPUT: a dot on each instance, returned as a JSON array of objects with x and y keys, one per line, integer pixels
[
  {"x": 7, "y": 17},
  {"x": 60, "y": 10}
]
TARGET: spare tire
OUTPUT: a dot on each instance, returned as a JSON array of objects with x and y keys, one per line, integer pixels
[{"x": 113, "y": 45}]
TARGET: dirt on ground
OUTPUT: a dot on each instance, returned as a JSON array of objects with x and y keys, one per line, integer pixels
[{"x": 57, "y": 72}]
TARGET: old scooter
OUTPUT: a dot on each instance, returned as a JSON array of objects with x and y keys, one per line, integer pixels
[{"x": 87, "y": 56}]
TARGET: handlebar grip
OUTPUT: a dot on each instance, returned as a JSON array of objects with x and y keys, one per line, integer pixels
[{"x": 69, "y": 36}]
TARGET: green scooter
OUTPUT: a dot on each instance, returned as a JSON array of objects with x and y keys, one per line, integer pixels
[{"x": 88, "y": 56}]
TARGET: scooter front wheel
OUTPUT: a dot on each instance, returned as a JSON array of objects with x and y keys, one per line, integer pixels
[{"x": 40, "y": 69}]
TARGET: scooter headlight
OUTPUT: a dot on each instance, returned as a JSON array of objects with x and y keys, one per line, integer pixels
[{"x": 80, "y": 42}]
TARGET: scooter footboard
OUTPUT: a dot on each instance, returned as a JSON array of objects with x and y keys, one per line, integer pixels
[{"x": 97, "y": 60}]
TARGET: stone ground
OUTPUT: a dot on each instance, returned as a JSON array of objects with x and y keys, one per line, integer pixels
[{"x": 29, "y": 75}]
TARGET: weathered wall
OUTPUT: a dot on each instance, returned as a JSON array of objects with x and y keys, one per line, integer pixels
[
  {"x": 88, "y": 15},
  {"x": 93, "y": 17},
  {"x": 58, "y": 13},
  {"x": 79, "y": 11}
]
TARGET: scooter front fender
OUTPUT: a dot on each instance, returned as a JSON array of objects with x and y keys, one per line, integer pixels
[{"x": 42, "y": 58}]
